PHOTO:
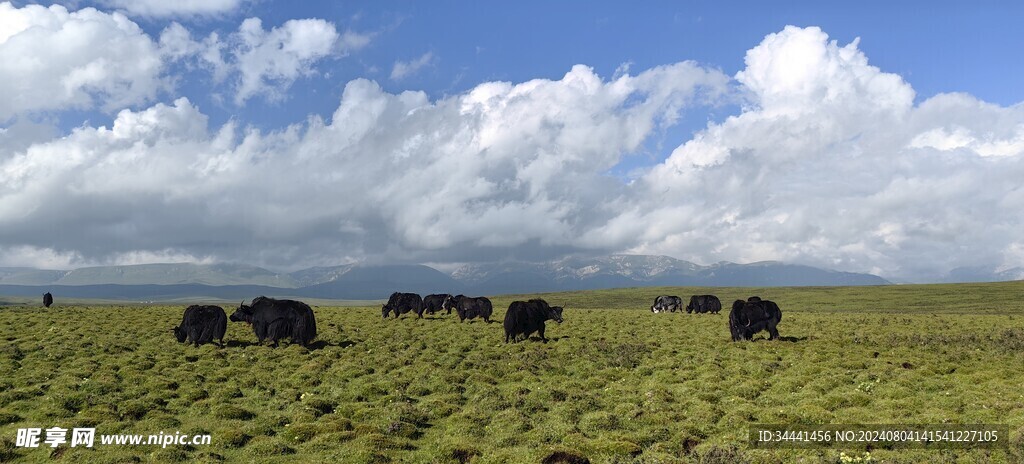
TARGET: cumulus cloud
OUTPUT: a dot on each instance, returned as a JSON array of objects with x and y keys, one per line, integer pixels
[
  {"x": 403, "y": 69},
  {"x": 176, "y": 8},
  {"x": 832, "y": 164},
  {"x": 53, "y": 59},
  {"x": 263, "y": 63},
  {"x": 395, "y": 176},
  {"x": 270, "y": 61}
]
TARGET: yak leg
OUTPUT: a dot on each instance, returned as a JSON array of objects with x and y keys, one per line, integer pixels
[
  {"x": 773, "y": 333},
  {"x": 541, "y": 332}
]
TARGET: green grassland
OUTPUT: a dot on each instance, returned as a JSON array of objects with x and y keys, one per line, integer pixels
[{"x": 616, "y": 384}]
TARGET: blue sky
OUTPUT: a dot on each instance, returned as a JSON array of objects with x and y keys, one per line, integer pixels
[
  {"x": 289, "y": 134},
  {"x": 939, "y": 46}
]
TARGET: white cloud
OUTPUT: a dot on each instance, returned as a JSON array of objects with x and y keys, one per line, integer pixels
[
  {"x": 390, "y": 175},
  {"x": 175, "y": 8},
  {"x": 831, "y": 164},
  {"x": 270, "y": 61},
  {"x": 263, "y": 63},
  {"x": 49, "y": 258},
  {"x": 403, "y": 69},
  {"x": 37, "y": 257},
  {"x": 177, "y": 44},
  {"x": 352, "y": 41},
  {"x": 797, "y": 71},
  {"x": 52, "y": 59}
]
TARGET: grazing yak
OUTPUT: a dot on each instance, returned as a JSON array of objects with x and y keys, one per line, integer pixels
[
  {"x": 47, "y": 299},
  {"x": 704, "y": 304},
  {"x": 435, "y": 303},
  {"x": 665, "y": 303},
  {"x": 470, "y": 307},
  {"x": 202, "y": 324},
  {"x": 276, "y": 319},
  {"x": 752, "y": 316},
  {"x": 526, "y": 317},
  {"x": 402, "y": 303}
]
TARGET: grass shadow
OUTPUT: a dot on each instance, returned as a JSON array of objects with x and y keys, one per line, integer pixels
[
  {"x": 239, "y": 343},
  {"x": 321, "y": 344},
  {"x": 792, "y": 339}
]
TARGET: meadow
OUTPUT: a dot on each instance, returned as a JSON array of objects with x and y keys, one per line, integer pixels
[{"x": 616, "y": 383}]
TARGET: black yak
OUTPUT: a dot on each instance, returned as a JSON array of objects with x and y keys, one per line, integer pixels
[
  {"x": 276, "y": 319},
  {"x": 47, "y": 299},
  {"x": 202, "y": 324},
  {"x": 704, "y": 304},
  {"x": 666, "y": 303},
  {"x": 526, "y": 317},
  {"x": 752, "y": 316},
  {"x": 402, "y": 303},
  {"x": 435, "y": 303},
  {"x": 469, "y": 307}
]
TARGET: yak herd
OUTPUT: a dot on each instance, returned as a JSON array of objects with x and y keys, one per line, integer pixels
[
  {"x": 273, "y": 320},
  {"x": 746, "y": 318},
  {"x": 522, "y": 318}
]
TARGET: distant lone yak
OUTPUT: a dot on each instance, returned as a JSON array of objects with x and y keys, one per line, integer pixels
[{"x": 47, "y": 299}]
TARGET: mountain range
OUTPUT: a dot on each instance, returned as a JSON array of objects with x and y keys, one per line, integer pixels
[{"x": 359, "y": 281}]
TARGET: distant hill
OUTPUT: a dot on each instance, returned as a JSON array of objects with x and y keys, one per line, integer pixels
[
  {"x": 146, "y": 292},
  {"x": 641, "y": 270},
  {"x": 366, "y": 282},
  {"x": 150, "y": 274},
  {"x": 983, "y": 274},
  {"x": 29, "y": 276},
  {"x": 370, "y": 282},
  {"x": 319, "y": 275}
]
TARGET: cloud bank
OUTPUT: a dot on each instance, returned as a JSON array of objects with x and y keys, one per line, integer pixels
[{"x": 830, "y": 162}]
